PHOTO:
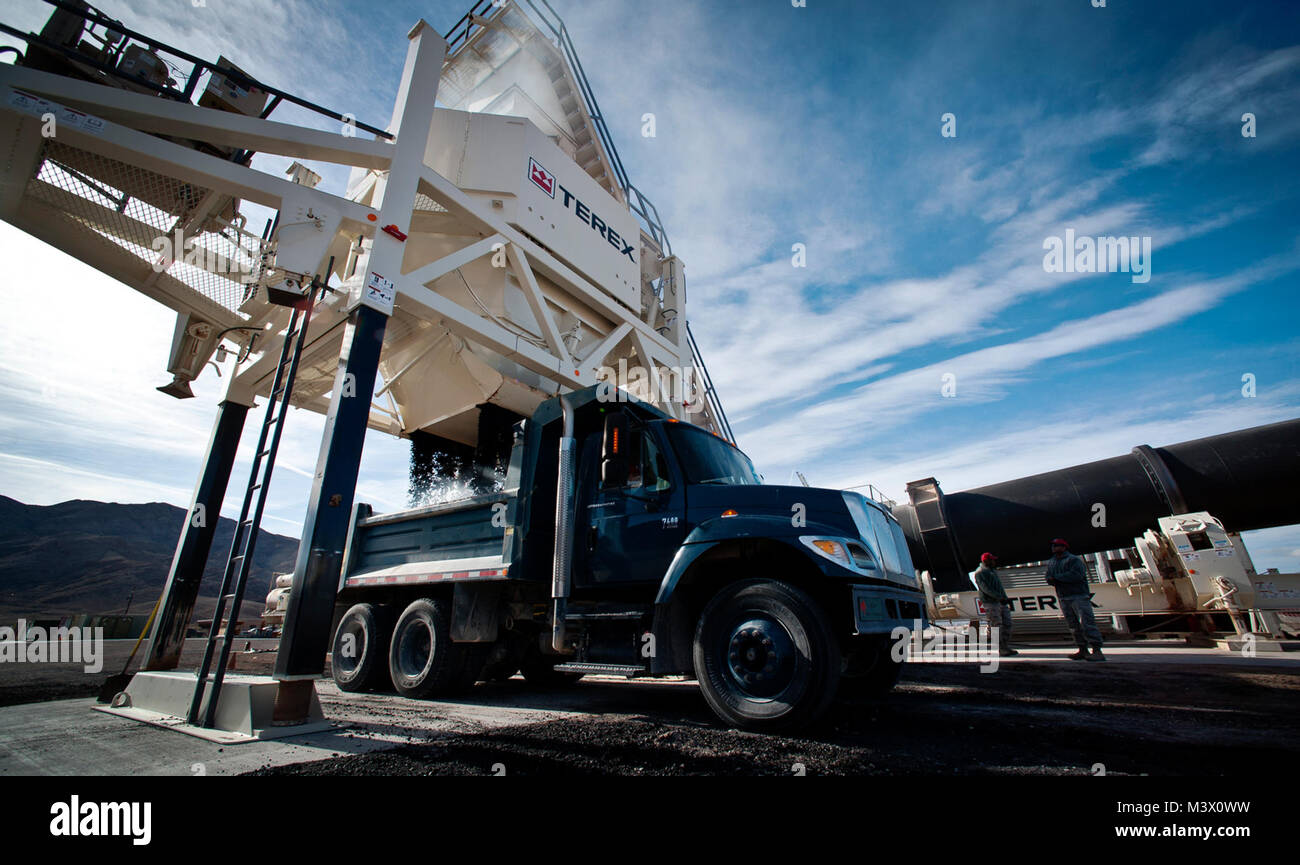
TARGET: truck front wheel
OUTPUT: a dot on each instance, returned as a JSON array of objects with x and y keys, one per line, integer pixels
[
  {"x": 422, "y": 659},
  {"x": 360, "y": 657},
  {"x": 765, "y": 656}
]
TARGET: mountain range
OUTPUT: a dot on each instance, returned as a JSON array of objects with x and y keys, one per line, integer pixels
[{"x": 98, "y": 557}]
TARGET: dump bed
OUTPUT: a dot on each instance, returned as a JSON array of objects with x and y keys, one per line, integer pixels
[{"x": 457, "y": 540}]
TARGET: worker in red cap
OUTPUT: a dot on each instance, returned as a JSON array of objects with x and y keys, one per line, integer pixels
[
  {"x": 1068, "y": 574},
  {"x": 996, "y": 603}
]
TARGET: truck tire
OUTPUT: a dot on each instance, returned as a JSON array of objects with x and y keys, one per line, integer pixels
[
  {"x": 869, "y": 669},
  {"x": 360, "y": 656},
  {"x": 766, "y": 657},
  {"x": 422, "y": 659}
]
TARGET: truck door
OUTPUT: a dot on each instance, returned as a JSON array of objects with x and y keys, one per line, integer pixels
[{"x": 631, "y": 532}]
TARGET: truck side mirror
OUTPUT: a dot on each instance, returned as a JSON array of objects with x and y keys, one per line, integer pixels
[{"x": 614, "y": 451}]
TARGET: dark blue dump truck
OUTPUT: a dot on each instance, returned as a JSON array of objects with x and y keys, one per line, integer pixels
[{"x": 625, "y": 542}]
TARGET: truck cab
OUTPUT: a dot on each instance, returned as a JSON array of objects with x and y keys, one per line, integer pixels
[{"x": 627, "y": 542}]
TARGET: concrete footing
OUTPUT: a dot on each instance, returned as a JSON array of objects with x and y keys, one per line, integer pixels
[{"x": 244, "y": 712}]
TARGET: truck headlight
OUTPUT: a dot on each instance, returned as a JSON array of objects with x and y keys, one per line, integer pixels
[{"x": 842, "y": 551}]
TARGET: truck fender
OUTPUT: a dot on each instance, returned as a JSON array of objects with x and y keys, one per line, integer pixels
[
  {"x": 711, "y": 533},
  {"x": 686, "y": 555},
  {"x": 671, "y": 628}
]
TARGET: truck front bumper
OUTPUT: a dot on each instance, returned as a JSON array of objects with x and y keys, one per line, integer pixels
[{"x": 881, "y": 609}]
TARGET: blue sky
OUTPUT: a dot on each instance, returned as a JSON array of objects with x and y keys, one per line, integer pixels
[{"x": 819, "y": 126}]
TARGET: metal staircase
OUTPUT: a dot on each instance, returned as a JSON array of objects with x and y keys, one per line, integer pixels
[
  {"x": 240, "y": 559},
  {"x": 482, "y": 15},
  {"x": 594, "y": 152}
]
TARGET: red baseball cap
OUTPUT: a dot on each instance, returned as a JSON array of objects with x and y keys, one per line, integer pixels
[
  {"x": 1062, "y": 541},
  {"x": 988, "y": 557}
]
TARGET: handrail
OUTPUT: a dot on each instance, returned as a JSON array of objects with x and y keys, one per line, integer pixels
[
  {"x": 636, "y": 199},
  {"x": 460, "y": 31},
  {"x": 710, "y": 393},
  {"x": 458, "y": 38},
  {"x": 94, "y": 16}
]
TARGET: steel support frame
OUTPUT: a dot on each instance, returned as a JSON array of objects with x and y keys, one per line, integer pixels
[
  {"x": 462, "y": 205},
  {"x": 310, "y": 614},
  {"x": 138, "y": 147},
  {"x": 182, "y": 587},
  {"x": 147, "y": 113},
  {"x": 125, "y": 136}
]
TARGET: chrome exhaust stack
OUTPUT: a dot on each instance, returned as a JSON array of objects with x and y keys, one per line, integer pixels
[{"x": 561, "y": 567}]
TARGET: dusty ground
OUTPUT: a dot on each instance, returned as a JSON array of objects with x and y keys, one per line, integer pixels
[
  {"x": 1032, "y": 717},
  {"x": 1163, "y": 711}
]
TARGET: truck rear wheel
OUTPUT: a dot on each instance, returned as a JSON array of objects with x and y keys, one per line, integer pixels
[
  {"x": 422, "y": 659},
  {"x": 360, "y": 656},
  {"x": 765, "y": 656},
  {"x": 869, "y": 669}
]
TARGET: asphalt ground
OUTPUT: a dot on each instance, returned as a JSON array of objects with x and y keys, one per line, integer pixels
[{"x": 1152, "y": 709}]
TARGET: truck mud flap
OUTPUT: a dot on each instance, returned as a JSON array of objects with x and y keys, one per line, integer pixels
[{"x": 475, "y": 612}]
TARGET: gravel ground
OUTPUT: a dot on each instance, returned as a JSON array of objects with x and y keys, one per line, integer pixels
[
  {"x": 1206, "y": 716},
  {"x": 1031, "y": 718}
]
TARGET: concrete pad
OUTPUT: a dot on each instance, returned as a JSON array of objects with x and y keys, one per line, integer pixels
[
  {"x": 244, "y": 711},
  {"x": 68, "y": 737}
]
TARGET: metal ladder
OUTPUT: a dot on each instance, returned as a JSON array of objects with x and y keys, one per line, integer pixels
[{"x": 244, "y": 542}]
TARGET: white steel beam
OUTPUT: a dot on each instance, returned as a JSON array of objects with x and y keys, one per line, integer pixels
[
  {"x": 650, "y": 359},
  {"x": 154, "y": 154},
  {"x": 24, "y": 159},
  {"x": 453, "y": 261},
  {"x": 428, "y": 304},
  {"x": 453, "y": 198},
  {"x": 593, "y": 358},
  {"x": 537, "y": 303},
  {"x": 412, "y": 121},
  {"x": 148, "y": 113}
]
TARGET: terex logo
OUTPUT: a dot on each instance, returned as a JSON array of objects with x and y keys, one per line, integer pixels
[
  {"x": 1033, "y": 603},
  {"x": 588, "y": 216},
  {"x": 544, "y": 180}
]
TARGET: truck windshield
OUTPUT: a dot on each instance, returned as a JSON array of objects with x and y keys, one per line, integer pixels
[{"x": 707, "y": 459}]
